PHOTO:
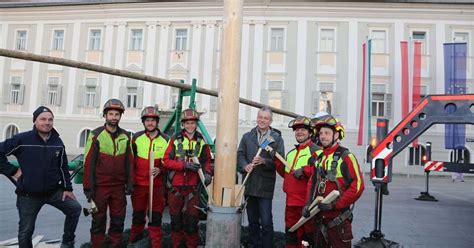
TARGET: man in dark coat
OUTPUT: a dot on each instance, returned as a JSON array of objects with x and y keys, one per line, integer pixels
[
  {"x": 42, "y": 178},
  {"x": 261, "y": 183}
]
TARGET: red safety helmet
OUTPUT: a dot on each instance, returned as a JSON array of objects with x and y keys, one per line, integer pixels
[
  {"x": 331, "y": 122},
  {"x": 150, "y": 111},
  {"x": 300, "y": 121},
  {"x": 113, "y": 104},
  {"x": 189, "y": 115}
]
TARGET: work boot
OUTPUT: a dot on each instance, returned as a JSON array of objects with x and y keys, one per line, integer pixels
[{"x": 69, "y": 244}]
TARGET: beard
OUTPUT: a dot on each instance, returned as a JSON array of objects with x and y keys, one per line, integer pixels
[{"x": 112, "y": 123}]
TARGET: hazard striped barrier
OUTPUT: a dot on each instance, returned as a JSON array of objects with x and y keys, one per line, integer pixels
[{"x": 434, "y": 166}]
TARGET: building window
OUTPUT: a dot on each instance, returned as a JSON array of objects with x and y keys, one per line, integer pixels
[
  {"x": 11, "y": 131},
  {"x": 53, "y": 95},
  {"x": 174, "y": 92},
  {"x": 421, "y": 37},
  {"x": 90, "y": 96},
  {"x": 277, "y": 40},
  {"x": 132, "y": 97},
  {"x": 58, "y": 39},
  {"x": 325, "y": 102},
  {"x": 83, "y": 137},
  {"x": 462, "y": 37},
  {"x": 15, "y": 94},
  {"x": 94, "y": 39},
  {"x": 136, "y": 38},
  {"x": 326, "y": 42},
  {"x": 20, "y": 40},
  {"x": 378, "y": 105},
  {"x": 181, "y": 39},
  {"x": 16, "y": 91},
  {"x": 379, "y": 41}
]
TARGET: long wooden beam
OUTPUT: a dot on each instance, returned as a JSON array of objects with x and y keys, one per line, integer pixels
[{"x": 128, "y": 74}]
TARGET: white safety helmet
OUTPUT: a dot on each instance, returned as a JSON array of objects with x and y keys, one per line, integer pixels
[{"x": 319, "y": 114}]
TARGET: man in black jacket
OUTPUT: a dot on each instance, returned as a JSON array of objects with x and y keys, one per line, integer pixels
[
  {"x": 43, "y": 176},
  {"x": 261, "y": 183}
]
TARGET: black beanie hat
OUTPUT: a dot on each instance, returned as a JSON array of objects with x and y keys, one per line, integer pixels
[{"x": 40, "y": 110}]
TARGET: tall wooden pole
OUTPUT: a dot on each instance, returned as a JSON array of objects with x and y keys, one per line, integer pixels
[
  {"x": 124, "y": 73},
  {"x": 228, "y": 100}
]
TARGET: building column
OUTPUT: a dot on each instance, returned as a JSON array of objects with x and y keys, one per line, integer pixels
[
  {"x": 119, "y": 54},
  {"x": 36, "y": 66},
  {"x": 257, "y": 74},
  {"x": 71, "y": 87},
  {"x": 439, "y": 40},
  {"x": 208, "y": 66},
  {"x": 149, "y": 62},
  {"x": 352, "y": 77},
  {"x": 3, "y": 44},
  {"x": 107, "y": 44},
  {"x": 397, "y": 73},
  {"x": 163, "y": 56},
  {"x": 301, "y": 56},
  {"x": 244, "y": 67}
]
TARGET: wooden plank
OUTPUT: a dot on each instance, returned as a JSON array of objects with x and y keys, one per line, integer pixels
[
  {"x": 328, "y": 199},
  {"x": 9, "y": 241},
  {"x": 37, "y": 239},
  {"x": 226, "y": 197},
  {"x": 238, "y": 198}
]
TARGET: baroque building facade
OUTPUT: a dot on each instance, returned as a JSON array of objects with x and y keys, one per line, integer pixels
[{"x": 303, "y": 57}]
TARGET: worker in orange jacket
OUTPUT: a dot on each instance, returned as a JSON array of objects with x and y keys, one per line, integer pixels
[
  {"x": 335, "y": 169},
  {"x": 295, "y": 181},
  {"x": 183, "y": 196},
  {"x": 151, "y": 140}
]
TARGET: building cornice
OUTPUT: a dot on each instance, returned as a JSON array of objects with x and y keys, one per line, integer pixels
[{"x": 210, "y": 10}]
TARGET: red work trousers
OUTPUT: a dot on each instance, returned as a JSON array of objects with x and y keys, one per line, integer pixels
[
  {"x": 293, "y": 239},
  {"x": 112, "y": 198},
  {"x": 184, "y": 216},
  {"x": 337, "y": 237},
  {"x": 140, "y": 198}
]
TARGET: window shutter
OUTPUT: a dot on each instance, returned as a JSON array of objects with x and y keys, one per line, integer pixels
[
  {"x": 122, "y": 95},
  {"x": 140, "y": 97},
  {"x": 335, "y": 104},
  {"x": 213, "y": 104},
  {"x": 44, "y": 94},
  {"x": 284, "y": 99},
  {"x": 264, "y": 96},
  {"x": 81, "y": 95},
  {"x": 97, "y": 96},
  {"x": 6, "y": 93},
  {"x": 59, "y": 95},
  {"x": 388, "y": 105},
  {"x": 315, "y": 101},
  {"x": 21, "y": 94}
]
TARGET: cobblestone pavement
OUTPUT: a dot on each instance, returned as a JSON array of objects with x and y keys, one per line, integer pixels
[{"x": 447, "y": 223}]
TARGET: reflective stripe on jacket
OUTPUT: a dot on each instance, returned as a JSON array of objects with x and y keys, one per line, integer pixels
[
  {"x": 142, "y": 145},
  {"x": 108, "y": 158},
  {"x": 174, "y": 161},
  {"x": 297, "y": 158},
  {"x": 349, "y": 176}
]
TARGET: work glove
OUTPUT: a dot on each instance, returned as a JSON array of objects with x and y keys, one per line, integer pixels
[
  {"x": 192, "y": 166},
  {"x": 129, "y": 189},
  {"x": 89, "y": 194},
  {"x": 299, "y": 173},
  {"x": 306, "y": 212},
  {"x": 272, "y": 153},
  {"x": 207, "y": 179},
  {"x": 326, "y": 206}
]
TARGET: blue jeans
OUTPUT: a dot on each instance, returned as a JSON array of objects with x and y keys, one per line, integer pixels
[
  {"x": 29, "y": 207},
  {"x": 259, "y": 212}
]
